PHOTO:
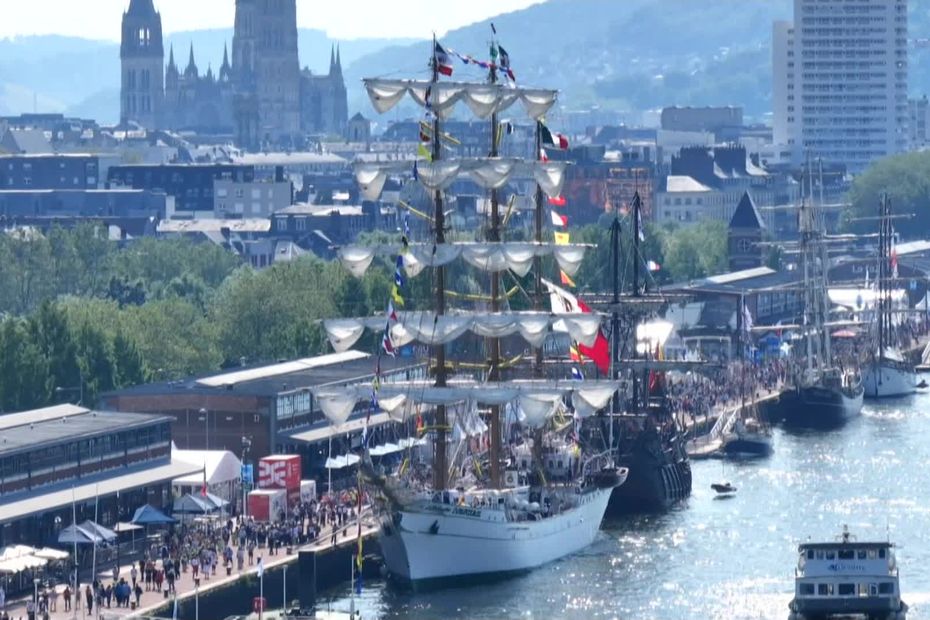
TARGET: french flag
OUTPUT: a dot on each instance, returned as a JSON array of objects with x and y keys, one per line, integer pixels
[{"x": 443, "y": 63}]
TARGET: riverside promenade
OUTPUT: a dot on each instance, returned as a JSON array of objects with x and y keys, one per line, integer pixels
[{"x": 155, "y": 603}]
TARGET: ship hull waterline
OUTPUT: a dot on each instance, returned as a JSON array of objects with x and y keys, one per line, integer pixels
[
  {"x": 819, "y": 407},
  {"x": 652, "y": 486},
  {"x": 748, "y": 446},
  {"x": 886, "y": 381},
  {"x": 426, "y": 548}
]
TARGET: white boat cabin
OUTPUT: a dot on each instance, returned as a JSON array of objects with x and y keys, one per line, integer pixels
[{"x": 847, "y": 569}]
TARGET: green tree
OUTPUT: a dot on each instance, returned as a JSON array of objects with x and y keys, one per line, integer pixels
[
  {"x": 695, "y": 251},
  {"x": 173, "y": 338},
  {"x": 95, "y": 359},
  {"x": 24, "y": 380},
  {"x": 49, "y": 330},
  {"x": 130, "y": 367},
  {"x": 906, "y": 180}
]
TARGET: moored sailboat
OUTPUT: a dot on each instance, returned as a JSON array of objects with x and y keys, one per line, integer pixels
[
  {"x": 825, "y": 394},
  {"x": 887, "y": 373}
]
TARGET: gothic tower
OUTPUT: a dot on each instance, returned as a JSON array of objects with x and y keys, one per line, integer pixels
[
  {"x": 744, "y": 236},
  {"x": 267, "y": 72},
  {"x": 142, "y": 58}
]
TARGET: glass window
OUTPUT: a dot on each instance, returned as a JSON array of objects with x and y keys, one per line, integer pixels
[
  {"x": 886, "y": 587},
  {"x": 861, "y": 554},
  {"x": 810, "y": 554},
  {"x": 846, "y": 554},
  {"x": 847, "y": 589},
  {"x": 831, "y": 555},
  {"x": 806, "y": 589},
  {"x": 824, "y": 589},
  {"x": 881, "y": 553}
]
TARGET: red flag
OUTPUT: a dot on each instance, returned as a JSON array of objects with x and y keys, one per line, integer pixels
[
  {"x": 558, "y": 201},
  {"x": 559, "y": 220}
]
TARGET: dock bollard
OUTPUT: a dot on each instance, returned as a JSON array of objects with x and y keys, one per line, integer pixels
[{"x": 306, "y": 576}]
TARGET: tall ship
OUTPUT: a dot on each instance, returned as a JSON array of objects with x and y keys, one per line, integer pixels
[
  {"x": 825, "y": 393},
  {"x": 505, "y": 484},
  {"x": 641, "y": 429},
  {"x": 887, "y": 373}
]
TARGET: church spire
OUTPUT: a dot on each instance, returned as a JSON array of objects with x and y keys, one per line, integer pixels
[
  {"x": 332, "y": 59},
  {"x": 225, "y": 69},
  {"x": 338, "y": 60},
  {"x": 191, "y": 70},
  {"x": 171, "y": 65},
  {"x": 141, "y": 8}
]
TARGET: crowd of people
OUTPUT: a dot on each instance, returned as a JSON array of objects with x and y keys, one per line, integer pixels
[{"x": 199, "y": 551}]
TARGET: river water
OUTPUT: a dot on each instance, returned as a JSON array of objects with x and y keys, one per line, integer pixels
[{"x": 725, "y": 558}]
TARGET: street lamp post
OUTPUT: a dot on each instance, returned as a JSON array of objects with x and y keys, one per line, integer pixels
[
  {"x": 246, "y": 445},
  {"x": 196, "y": 600},
  {"x": 206, "y": 424}
]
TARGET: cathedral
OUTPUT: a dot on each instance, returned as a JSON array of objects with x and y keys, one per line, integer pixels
[{"x": 261, "y": 96}]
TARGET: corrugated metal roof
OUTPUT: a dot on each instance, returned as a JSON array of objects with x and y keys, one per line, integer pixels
[
  {"x": 352, "y": 426},
  {"x": 57, "y": 429},
  {"x": 289, "y": 159},
  {"x": 284, "y": 368},
  {"x": 35, "y": 416},
  {"x": 912, "y": 247},
  {"x": 736, "y": 276}
]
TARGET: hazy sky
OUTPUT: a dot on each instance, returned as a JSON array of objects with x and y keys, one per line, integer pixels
[{"x": 344, "y": 19}]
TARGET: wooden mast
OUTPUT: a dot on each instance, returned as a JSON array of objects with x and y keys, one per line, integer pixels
[
  {"x": 494, "y": 354},
  {"x": 440, "y": 465}
]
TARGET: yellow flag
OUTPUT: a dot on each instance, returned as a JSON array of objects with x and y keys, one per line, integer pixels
[
  {"x": 424, "y": 153},
  {"x": 396, "y": 296},
  {"x": 566, "y": 279},
  {"x": 561, "y": 238}
]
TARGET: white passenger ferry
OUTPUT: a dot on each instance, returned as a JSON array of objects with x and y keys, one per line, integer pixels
[{"x": 847, "y": 578}]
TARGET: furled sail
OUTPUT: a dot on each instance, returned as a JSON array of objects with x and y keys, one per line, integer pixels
[
  {"x": 431, "y": 328},
  {"x": 487, "y": 172},
  {"x": 516, "y": 256},
  {"x": 482, "y": 99},
  {"x": 537, "y": 399}
]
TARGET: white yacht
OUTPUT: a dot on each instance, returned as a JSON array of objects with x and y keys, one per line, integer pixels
[{"x": 847, "y": 578}]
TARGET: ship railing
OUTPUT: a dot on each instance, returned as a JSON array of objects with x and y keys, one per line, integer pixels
[{"x": 597, "y": 462}]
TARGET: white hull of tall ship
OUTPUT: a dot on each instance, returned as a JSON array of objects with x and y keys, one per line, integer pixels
[
  {"x": 443, "y": 541},
  {"x": 884, "y": 380}
]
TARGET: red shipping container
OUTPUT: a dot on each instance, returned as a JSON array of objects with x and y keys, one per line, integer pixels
[
  {"x": 266, "y": 505},
  {"x": 279, "y": 471}
]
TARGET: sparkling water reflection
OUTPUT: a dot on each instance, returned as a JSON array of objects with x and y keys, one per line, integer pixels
[{"x": 727, "y": 558}]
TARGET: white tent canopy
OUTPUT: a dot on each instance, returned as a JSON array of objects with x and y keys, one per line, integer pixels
[
  {"x": 339, "y": 462},
  {"x": 221, "y": 466}
]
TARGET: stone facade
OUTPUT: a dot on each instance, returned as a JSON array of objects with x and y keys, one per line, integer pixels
[{"x": 261, "y": 97}]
